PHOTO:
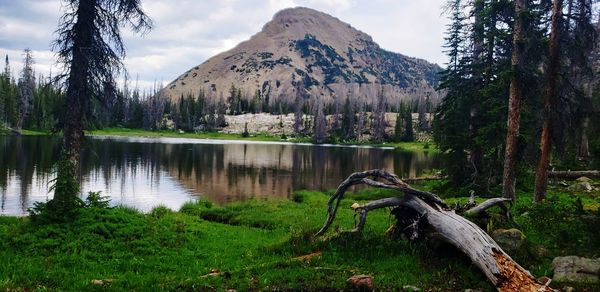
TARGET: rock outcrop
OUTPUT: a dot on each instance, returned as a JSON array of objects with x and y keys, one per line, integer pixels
[{"x": 576, "y": 269}]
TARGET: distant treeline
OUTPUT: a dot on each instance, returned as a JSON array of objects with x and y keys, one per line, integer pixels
[{"x": 38, "y": 103}]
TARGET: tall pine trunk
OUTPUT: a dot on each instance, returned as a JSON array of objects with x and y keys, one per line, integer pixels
[
  {"x": 514, "y": 102},
  {"x": 541, "y": 175},
  {"x": 67, "y": 183},
  {"x": 584, "y": 148}
]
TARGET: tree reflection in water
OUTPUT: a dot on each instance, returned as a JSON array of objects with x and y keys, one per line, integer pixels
[{"x": 146, "y": 172}]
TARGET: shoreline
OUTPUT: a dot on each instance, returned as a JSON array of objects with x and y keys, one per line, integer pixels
[
  {"x": 254, "y": 138},
  {"x": 183, "y": 140}
]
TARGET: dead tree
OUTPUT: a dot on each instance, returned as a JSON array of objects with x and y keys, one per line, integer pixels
[{"x": 420, "y": 213}]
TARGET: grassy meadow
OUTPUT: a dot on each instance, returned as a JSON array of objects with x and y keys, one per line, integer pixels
[{"x": 268, "y": 245}]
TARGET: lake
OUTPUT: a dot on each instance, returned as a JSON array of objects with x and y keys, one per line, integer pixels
[{"x": 145, "y": 172}]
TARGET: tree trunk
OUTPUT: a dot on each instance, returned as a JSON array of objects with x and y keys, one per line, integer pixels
[
  {"x": 541, "y": 176},
  {"x": 501, "y": 270},
  {"x": 584, "y": 148},
  {"x": 78, "y": 90},
  {"x": 514, "y": 103}
]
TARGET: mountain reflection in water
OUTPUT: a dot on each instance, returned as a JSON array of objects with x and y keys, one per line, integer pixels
[{"x": 145, "y": 172}]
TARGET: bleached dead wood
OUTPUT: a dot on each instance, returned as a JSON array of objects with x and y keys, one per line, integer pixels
[
  {"x": 500, "y": 269},
  {"x": 574, "y": 174}
]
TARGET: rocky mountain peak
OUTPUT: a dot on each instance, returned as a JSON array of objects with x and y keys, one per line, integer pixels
[{"x": 311, "y": 49}]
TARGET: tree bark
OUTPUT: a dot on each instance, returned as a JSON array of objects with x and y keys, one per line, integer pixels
[
  {"x": 514, "y": 103},
  {"x": 78, "y": 90},
  {"x": 501, "y": 270},
  {"x": 541, "y": 176},
  {"x": 584, "y": 148}
]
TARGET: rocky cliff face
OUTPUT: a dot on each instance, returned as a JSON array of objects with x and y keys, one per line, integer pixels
[{"x": 304, "y": 48}]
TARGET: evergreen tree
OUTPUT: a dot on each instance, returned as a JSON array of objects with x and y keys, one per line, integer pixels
[
  {"x": 265, "y": 104},
  {"x": 479, "y": 45},
  {"x": 378, "y": 117},
  {"x": 137, "y": 111},
  {"x": 408, "y": 135},
  {"x": 90, "y": 46},
  {"x": 398, "y": 128},
  {"x": 320, "y": 122},
  {"x": 541, "y": 175},
  {"x": 348, "y": 119},
  {"x": 233, "y": 101},
  {"x": 118, "y": 111},
  {"x": 6, "y": 72},
  {"x": 422, "y": 110},
  {"x": 361, "y": 121},
  {"x": 298, "y": 113},
  {"x": 514, "y": 101},
  {"x": 221, "y": 110}
]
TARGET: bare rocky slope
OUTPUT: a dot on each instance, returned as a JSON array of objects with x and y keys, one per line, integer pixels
[{"x": 305, "y": 48}]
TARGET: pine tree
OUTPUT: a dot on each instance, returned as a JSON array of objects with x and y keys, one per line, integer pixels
[
  {"x": 514, "y": 108},
  {"x": 320, "y": 122},
  {"x": 298, "y": 113},
  {"x": 361, "y": 121},
  {"x": 220, "y": 121},
  {"x": 378, "y": 118},
  {"x": 466, "y": 123},
  {"x": 90, "y": 46},
  {"x": 422, "y": 110},
  {"x": 348, "y": 119},
  {"x": 233, "y": 101},
  {"x": 6, "y": 73},
  {"x": 541, "y": 175},
  {"x": 399, "y": 128}
]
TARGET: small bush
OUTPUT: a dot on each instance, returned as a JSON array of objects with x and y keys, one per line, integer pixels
[
  {"x": 245, "y": 134},
  {"x": 195, "y": 208},
  {"x": 298, "y": 197},
  {"x": 160, "y": 212},
  {"x": 96, "y": 200}
]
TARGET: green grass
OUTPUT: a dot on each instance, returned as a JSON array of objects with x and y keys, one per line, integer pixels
[
  {"x": 34, "y": 132},
  {"x": 176, "y": 134},
  {"x": 26, "y": 132},
  {"x": 253, "y": 246},
  {"x": 128, "y": 132},
  {"x": 415, "y": 146},
  {"x": 404, "y": 146}
]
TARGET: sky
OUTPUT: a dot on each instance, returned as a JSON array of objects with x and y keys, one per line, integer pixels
[{"x": 188, "y": 32}]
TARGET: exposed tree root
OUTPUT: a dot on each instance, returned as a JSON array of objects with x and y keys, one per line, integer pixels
[{"x": 417, "y": 211}]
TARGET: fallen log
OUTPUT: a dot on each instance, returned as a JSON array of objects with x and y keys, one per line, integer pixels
[
  {"x": 418, "y": 211},
  {"x": 574, "y": 174},
  {"x": 422, "y": 178}
]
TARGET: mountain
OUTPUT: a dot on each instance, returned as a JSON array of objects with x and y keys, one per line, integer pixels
[{"x": 302, "y": 47}]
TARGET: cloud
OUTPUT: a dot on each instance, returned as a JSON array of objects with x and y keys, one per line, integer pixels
[{"x": 187, "y": 32}]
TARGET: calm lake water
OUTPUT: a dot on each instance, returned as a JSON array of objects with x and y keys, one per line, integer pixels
[{"x": 145, "y": 172}]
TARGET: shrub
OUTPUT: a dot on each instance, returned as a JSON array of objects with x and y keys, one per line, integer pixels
[
  {"x": 96, "y": 200},
  {"x": 245, "y": 134},
  {"x": 298, "y": 197},
  {"x": 160, "y": 211},
  {"x": 195, "y": 208}
]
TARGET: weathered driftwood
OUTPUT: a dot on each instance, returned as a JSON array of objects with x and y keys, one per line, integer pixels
[
  {"x": 429, "y": 210},
  {"x": 422, "y": 178},
  {"x": 574, "y": 174},
  {"x": 479, "y": 210}
]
